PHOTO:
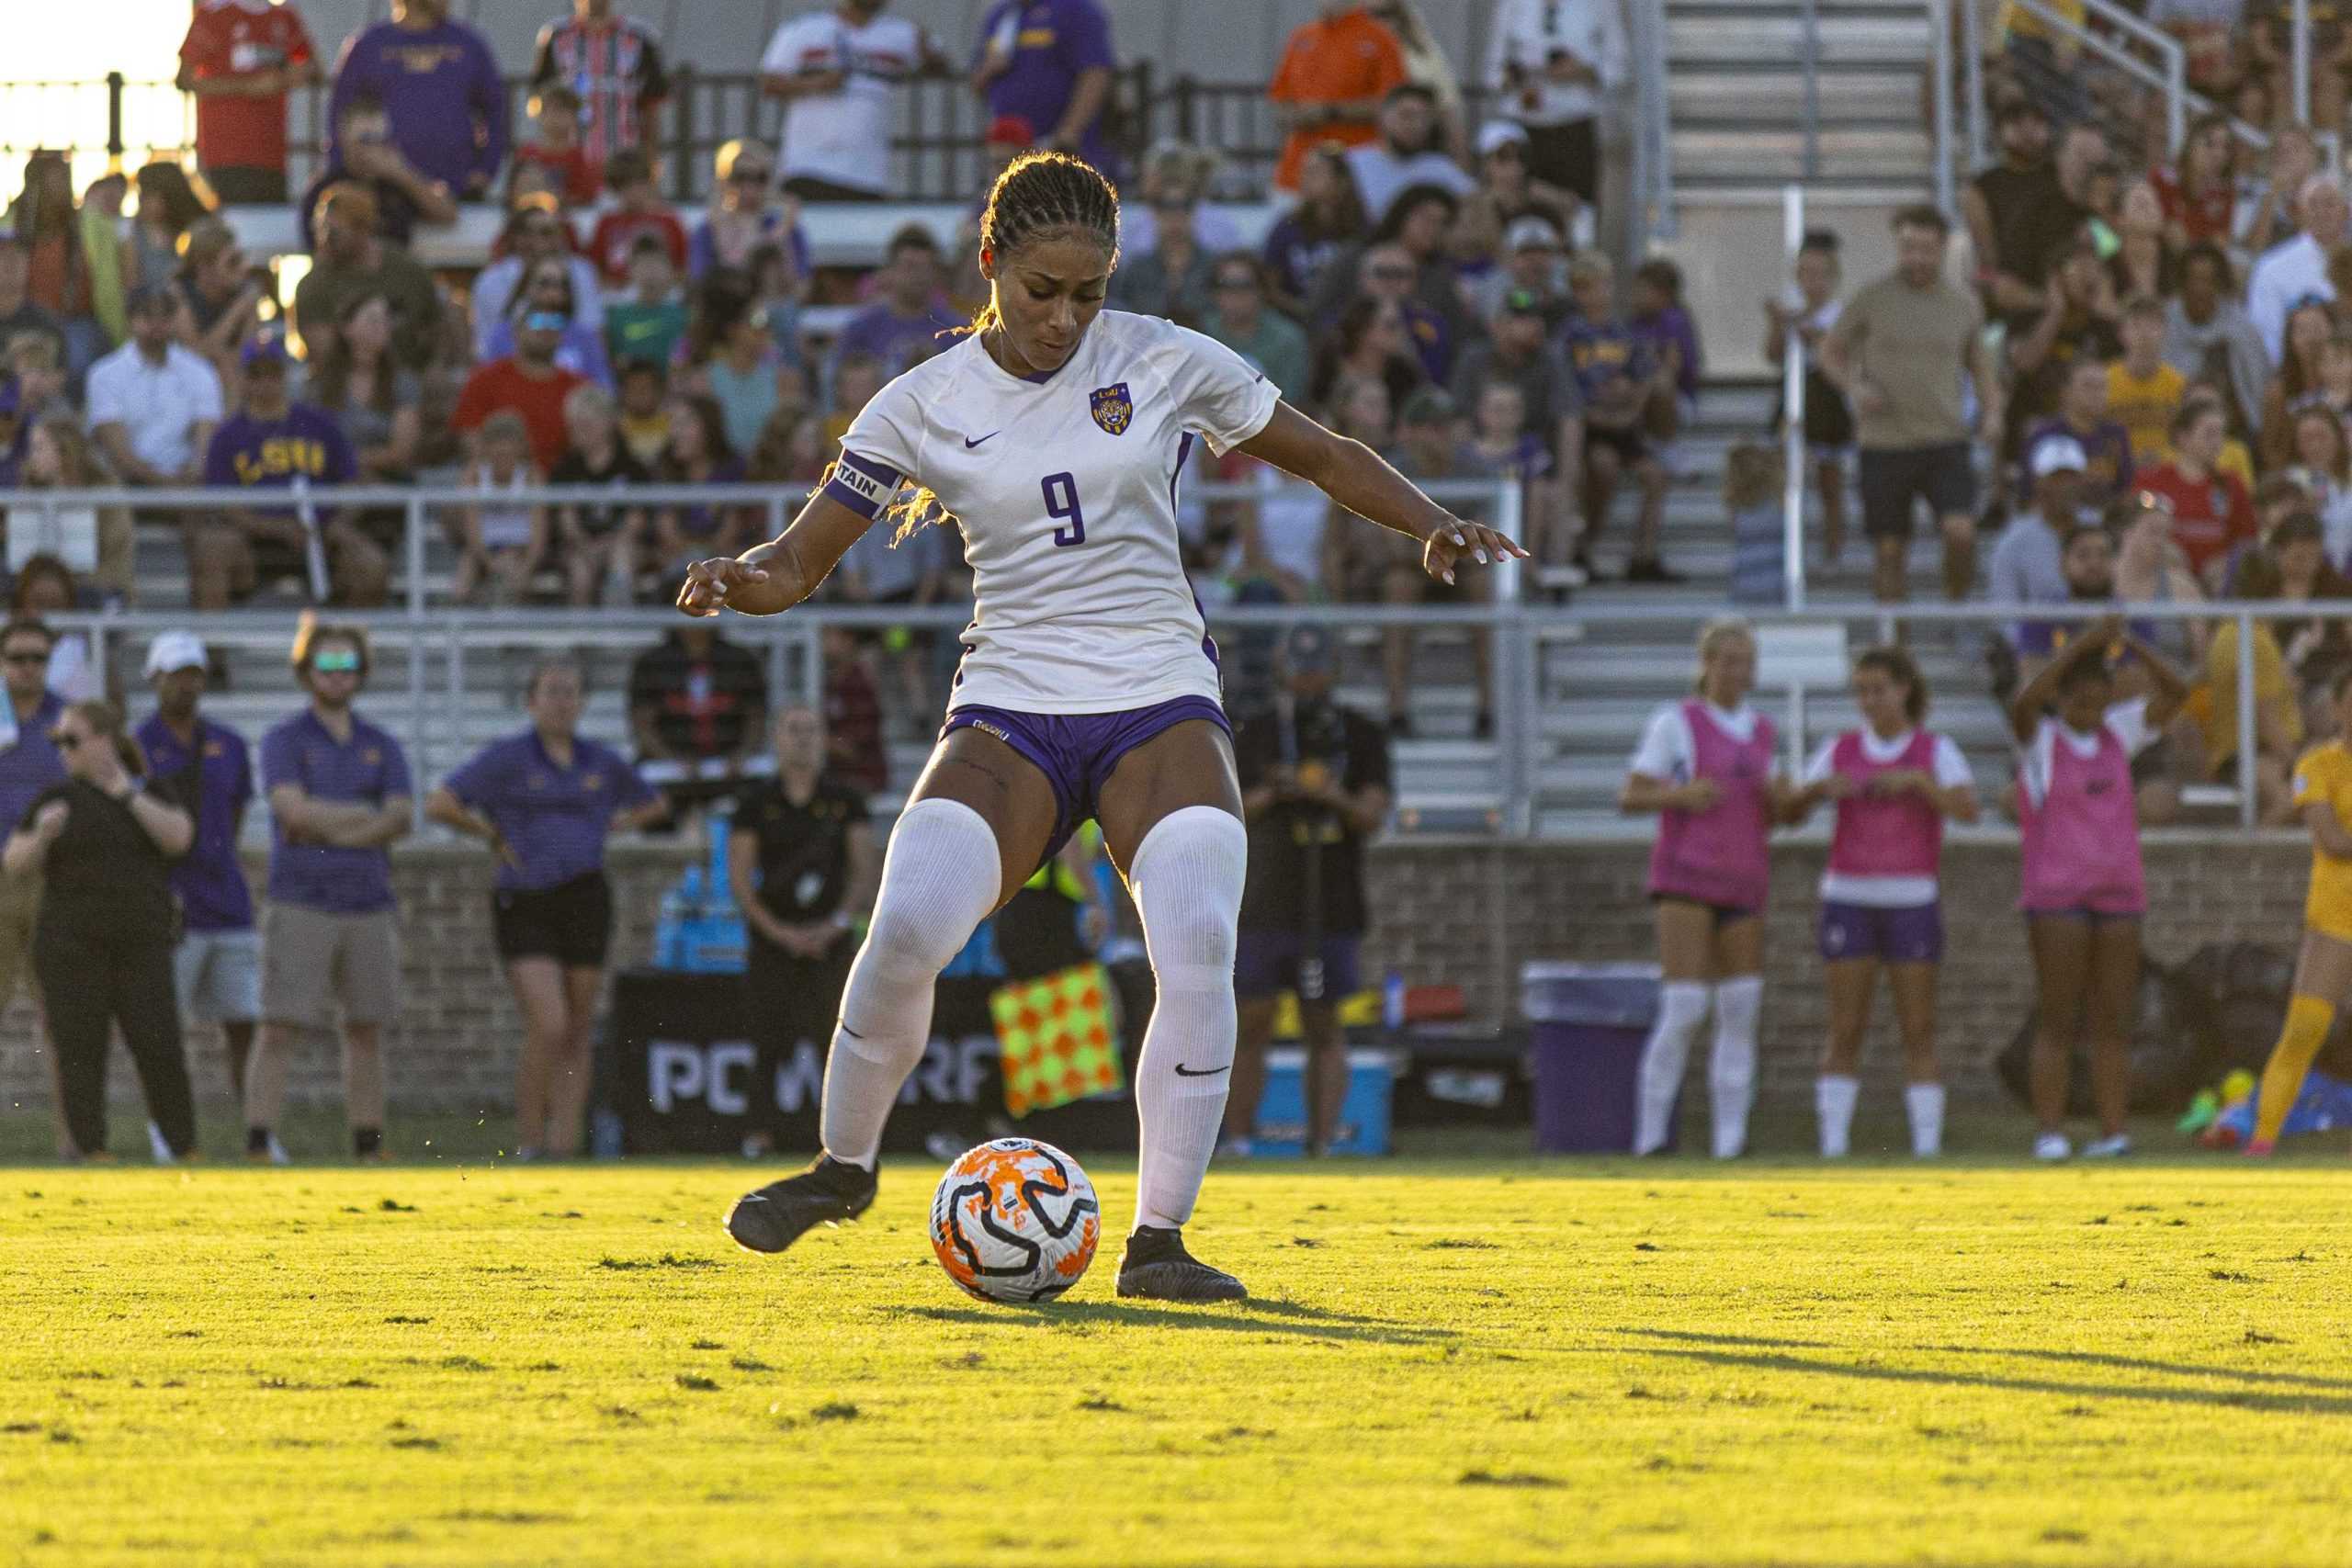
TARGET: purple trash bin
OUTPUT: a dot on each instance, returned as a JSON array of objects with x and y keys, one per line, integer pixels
[{"x": 1589, "y": 1023}]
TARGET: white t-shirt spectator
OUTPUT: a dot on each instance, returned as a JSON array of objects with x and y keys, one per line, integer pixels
[
  {"x": 843, "y": 137},
  {"x": 1291, "y": 520},
  {"x": 2285, "y": 274},
  {"x": 1382, "y": 176},
  {"x": 1527, "y": 33},
  {"x": 1951, "y": 769},
  {"x": 158, "y": 406},
  {"x": 1216, "y": 232}
]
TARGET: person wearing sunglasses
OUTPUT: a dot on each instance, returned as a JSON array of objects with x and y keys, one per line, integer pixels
[
  {"x": 339, "y": 793},
  {"x": 28, "y": 765},
  {"x": 103, "y": 845}
]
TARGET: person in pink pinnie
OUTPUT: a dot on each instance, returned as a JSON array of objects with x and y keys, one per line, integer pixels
[
  {"x": 2083, "y": 890},
  {"x": 1707, "y": 767},
  {"x": 1895, "y": 782}
]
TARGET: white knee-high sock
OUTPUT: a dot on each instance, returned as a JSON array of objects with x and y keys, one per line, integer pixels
[
  {"x": 1925, "y": 1102},
  {"x": 1834, "y": 1095},
  {"x": 1732, "y": 1072},
  {"x": 1681, "y": 1008},
  {"x": 1186, "y": 877},
  {"x": 940, "y": 878}
]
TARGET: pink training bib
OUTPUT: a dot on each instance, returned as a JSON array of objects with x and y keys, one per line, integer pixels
[
  {"x": 1898, "y": 835},
  {"x": 1718, "y": 856},
  {"x": 2081, "y": 842}
]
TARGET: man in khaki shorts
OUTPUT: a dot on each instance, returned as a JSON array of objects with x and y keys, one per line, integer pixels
[
  {"x": 28, "y": 765},
  {"x": 339, "y": 792}
]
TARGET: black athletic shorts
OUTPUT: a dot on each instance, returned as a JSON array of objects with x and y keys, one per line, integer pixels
[
  {"x": 1895, "y": 478},
  {"x": 1630, "y": 444},
  {"x": 570, "y": 922},
  {"x": 1567, "y": 155}
]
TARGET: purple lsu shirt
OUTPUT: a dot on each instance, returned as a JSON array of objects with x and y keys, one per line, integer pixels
[
  {"x": 368, "y": 769},
  {"x": 555, "y": 819}
]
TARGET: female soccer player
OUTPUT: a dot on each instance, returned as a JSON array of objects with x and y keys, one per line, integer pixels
[
  {"x": 1706, "y": 766},
  {"x": 2324, "y": 972},
  {"x": 1055, "y": 433},
  {"x": 1895, "y": 784},
  {"x": 2083, "y": 889}
]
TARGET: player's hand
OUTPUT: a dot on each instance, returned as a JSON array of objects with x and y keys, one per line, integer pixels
[
  {"x": 712, "y": 585},
  {"x": 1836, "y": 787},
  {"x": 1699, "y": 794},
  {"x": 1455, "y": 539},
  {"x": 1901, "y": 780}
]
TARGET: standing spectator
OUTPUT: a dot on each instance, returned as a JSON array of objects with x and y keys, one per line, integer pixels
[
  {"x": 57, "y": 271},
  {"x": 697, "y": 705},
  {"x": 1556, "y": 63},
  {"x": 645, "y": 325},
  {"x": 168, "y": 208},
  {"x": 239, "y": 61},
  {"x": 529, "y": 381},
  {"x": 438, "y": 82},
  {"x": 536, "y": 234},
  {"x": 1328, "y": 223},
  {"x": 102, "y": 846},
  {"x": 1402, "y": 155},
  {"x": 2143, "y": 391},
  {"x": 1315, "y": 788},
  {"x": 614, "y": 66},
  {"x": 1617, "y": 377},
  {"x": 1426, "y": 65},
  {"x": 208, "y": 771},
  {"x": 599, "y": 540},
  {"x": 339, "y": 793},
  {"x": 274, "y": 443},
  {"x": 744, "y": 214},
  {"x": 804, "y": 865},
  {"x": 552, "y": 159},
  {"x": 352, "y": 262},
  {"x": 638, "y": 212},
  {"x": 364, "y": 153},
  {"x": 836, "y": 70},
  {"x": 1335, "y": 74},
  {"x": 2212, "y": 514},
  {"x": 1174, "y": 280},
  {"x": 1809, "y": 314},
  {"x": 550, "y": 288},
  {"x": 1238, "y": 317},
  {"x": 2208, "y": 337},
  {"x": 2297, "y": 270},
  {"x": 2109, "y": 464},
  {"x": 545, "y": 801},
  {"x": 1049, "y": 62},
  {"x": 19, "y": 312},
  {"x": 2017, "y": 211},
  {"x": 911, "y": 314},
  {"x": 1899, "y": 352},
  {"x": 30, "y": 765},
  {"x": 154, "y": 405}
]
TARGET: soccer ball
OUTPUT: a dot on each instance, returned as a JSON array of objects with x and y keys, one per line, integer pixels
[{"x": 1015, "y": 1219}]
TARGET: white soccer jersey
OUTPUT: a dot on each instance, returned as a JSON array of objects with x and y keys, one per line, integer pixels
[{"x": 1065, "y": 489}]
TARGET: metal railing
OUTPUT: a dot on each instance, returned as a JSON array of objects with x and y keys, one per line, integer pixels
[{"x": 1651, "y": 121}]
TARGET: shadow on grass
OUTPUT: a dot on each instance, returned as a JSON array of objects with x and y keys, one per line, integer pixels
[
  {"x": 2285, "y": 1403},
  {"x": 1247, "y": 1318},
  {"x": 2074, "y": 1358}
]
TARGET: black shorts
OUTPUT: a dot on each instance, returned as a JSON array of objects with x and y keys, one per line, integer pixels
[
  {"x": 811, "y": 187},
  {"x": 1630, "y": 444},
  {"x": 570, "y": 922},
  {"x": 247, "y": 186},
  {"x": 1567, "y": 155},
  {"x": 1893, "y": 479}
]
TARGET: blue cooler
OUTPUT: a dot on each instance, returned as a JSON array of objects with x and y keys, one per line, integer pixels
[
  {"x": 1591, "y": 1022},
  {"x": 1363, "y": 1114}
]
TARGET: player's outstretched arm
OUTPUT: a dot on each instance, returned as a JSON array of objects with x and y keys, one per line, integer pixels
[
  {"x": 1359, "y": 480},
  {"x": 770, "y": 578}
]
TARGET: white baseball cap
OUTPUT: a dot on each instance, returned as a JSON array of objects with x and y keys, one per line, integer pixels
[
  {"x": 175, "y": 651},
  {"x": 1499, "y": 133},
  {"x": 2057, "y": 454}
]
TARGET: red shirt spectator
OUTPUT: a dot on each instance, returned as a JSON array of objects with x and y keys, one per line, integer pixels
[
  {"x": 530, "y": 383},
  {"x": 2199, "y": 193},
  {"x": 641, "y": 211},
  {"x": 2211, "y": 512},
  {"x": 1337, "y": 69},
  {"x": 238, "y": 58},
  {"x": 614, "y": 63},
  {"x": 570, "y": 175}
]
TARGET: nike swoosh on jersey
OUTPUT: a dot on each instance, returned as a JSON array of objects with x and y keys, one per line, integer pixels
[
  {"x": 1184, "y": 1072},
  {"x": 970, "y": 443}
]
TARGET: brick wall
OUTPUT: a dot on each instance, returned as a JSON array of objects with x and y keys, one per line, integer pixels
[{"x": 1466, "y": 912}]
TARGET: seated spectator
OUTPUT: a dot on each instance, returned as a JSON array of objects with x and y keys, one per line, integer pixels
[
  {"x": 881, "y": 570},
  {"x": 2086, "y": 565},
  {"x": 598, "y": 541},
  {"x": 2212, "y": 513},
  {"x": 2143, "y": 391},
  {"x": 352, "y": 261},
  {"x": 778, "y": 289},
  {"x": 1617, "y": 377},
  {"x": 855, "y": 751},
  {"x": 554, "y": 150},
  {"x": 1172, "y": 280},
  {"x": 528, "y": 381},
  {"x": 2045, "y": 62},
  {"x": 219, "y": 294},
  {"x": 2277, "y": 191},
  {"x": 154, "y": 405},
  {"x": 1328, "y": 223},
  {"x": 856, "y": 377},
  {"x": 1502, "y": 442},
  {"x": 2310, "y": 326},
  {"x": 364, "y": 155},
  {"x": 2028, "y": 566},
  {"x": 373, "y": 400},
  {"x": 1426, "y": 63},
  {"x": 647, "y": 321},
  {"x": 1174, "y": 173},
  {"x": 31, "y": 362},
  {"x": 1759, "y": 534},
  {"x": 1657, "y": 316},
  {"x": 45, "y": 586},
  {"x": 790, "y": 449},
  {"x": 550, "y": 288},
  {"x": 2278, "y": 712},
  {"x": 1515, "y": 354},
  {"x": 1385, "y": 568},
  {"x": 1405, "y": 152},
  {"x": 645, "y": 410},
  {"x": 2018, "y": 212},
  {"x": 500, "y": 538},
  {"x": 2297, "y": 270},
  {"x": 1369, "y": 344},
  {"x": 910, "y": 312},
  {"x": 1238, "y": 317},
  {"x": 638, "y": 213},
  {"x": 2150, "y": 570},
  {"x": 2075, "y": 322},
  {"x": 698, "y": 707},
  {"x": 699, "y": 454},
  {"x": 745, "y": 213},
  {"x": 1532, "y": 263},
  {"x": 273, "y": 444},
  {"x": 2108, "y": 466},
  {"x": 535, "y": 234},
  {"x": 168, "y": 208},
  {"x": 2323, "y": 463},
  {"x": 2207, "y": 31},
  {"x": 2200, "y": 194},
  {"x": 18, "y": 313},
  {"x": 58, "y": 272},
  {"x": 2318, "y": 646},
  {"x": 98, "y": 544},
  {"x": 2144, "y": 262},
  {"x": 2208, "y": 337},
  {"x": 735, "y": 355},
  {"x": 1507, "y": 192}
]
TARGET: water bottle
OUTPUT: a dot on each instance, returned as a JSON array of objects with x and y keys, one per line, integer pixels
[
  {"x": 1392, "y": 1000},
  {"x": 604, "y": 1134},
  {"x": 670, "y": 931}
]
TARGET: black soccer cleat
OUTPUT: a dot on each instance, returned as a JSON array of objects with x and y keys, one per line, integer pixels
[
  {"x": 1157, "y": 1267},
  {"x": 829, "y": 1192}
]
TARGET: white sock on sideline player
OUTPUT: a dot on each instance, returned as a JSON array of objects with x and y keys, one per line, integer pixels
[
  {"x": 1739, "y": 1004},
  {"x": 1925, "y": 1102},
  {"x": 940, "y": 879},
  {"x": 1834, "y": 1095},
  {"x": 1186, "y": 877},
  {"x": 1681, "y": 1008}
]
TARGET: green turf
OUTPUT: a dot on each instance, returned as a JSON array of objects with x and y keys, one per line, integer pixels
[{"x": 1449, "y": 1361}]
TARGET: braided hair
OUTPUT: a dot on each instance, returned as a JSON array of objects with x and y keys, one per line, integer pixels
[{"x": 1039, "y": 196}]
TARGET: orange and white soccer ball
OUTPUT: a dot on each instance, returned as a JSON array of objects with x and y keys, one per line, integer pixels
[{"x": 1016, "y": 1221}]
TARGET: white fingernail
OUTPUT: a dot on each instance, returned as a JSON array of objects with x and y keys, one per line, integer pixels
[
  {"x": 1457, "y": 537},
  {"x": 1482, "y": 558}
]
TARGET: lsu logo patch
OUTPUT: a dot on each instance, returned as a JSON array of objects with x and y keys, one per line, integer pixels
[{"x": 1112, "y": 407}]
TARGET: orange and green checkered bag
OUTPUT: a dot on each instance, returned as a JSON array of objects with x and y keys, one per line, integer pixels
[{"x": 1059, "y": 1037}]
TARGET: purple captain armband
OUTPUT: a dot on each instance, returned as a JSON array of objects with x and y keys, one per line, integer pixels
[{"x": 861, "y": 484}]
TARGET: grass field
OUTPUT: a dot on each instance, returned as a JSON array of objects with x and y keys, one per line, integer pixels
[{"x": 1449, "y": 1361}]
